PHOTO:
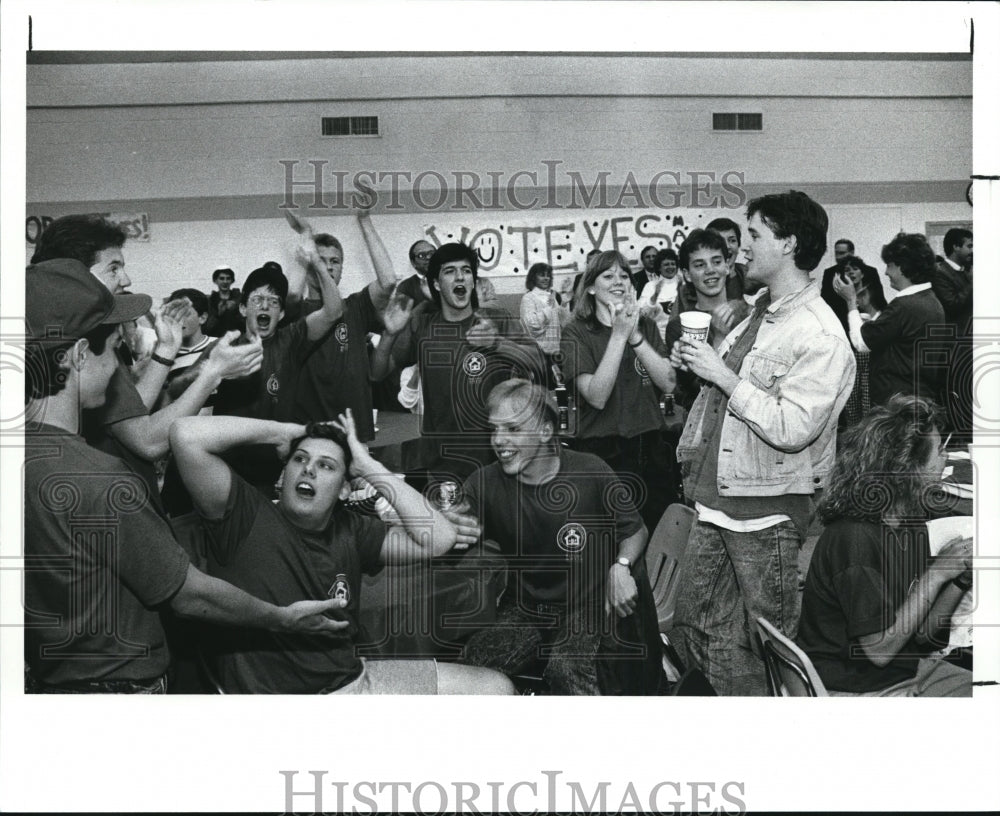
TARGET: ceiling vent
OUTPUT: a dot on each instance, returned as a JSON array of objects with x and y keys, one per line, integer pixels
[
  {"x": 350, "y": 126},
  {"x": 737, "y": 121}
]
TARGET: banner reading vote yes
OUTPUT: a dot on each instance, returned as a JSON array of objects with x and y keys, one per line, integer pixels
[{"x": 510, "y": 245}]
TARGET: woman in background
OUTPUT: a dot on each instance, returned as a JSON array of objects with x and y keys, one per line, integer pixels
[
  {"x": 871, "y": 302},
  {"x": 898, "y": 338},
  {"x": 541, "y": 312},
  {"x": 613, "y": 359},
  {"x": 875, "y": 603},
  {"x": 659, "y": 294}
]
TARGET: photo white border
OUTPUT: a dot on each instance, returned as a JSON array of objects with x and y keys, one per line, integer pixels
[{"x": 60, "y": 753}]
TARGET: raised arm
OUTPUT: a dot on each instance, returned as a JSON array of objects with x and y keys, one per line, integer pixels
[
  {"x": 305, "y": 255},
  {"x": 425, "y": 532},
  {"x": 149, "y": 436},
  {"x": 198, "y": 444},
  {"x": 396, "y": 319},
  {"x": 845, "y": 288},
  {"x": 320, "y": 322},
  {"x": 385, "y": 275}
]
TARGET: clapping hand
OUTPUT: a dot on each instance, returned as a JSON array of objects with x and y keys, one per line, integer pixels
[
  {"x": 625, "y": 317},
  {"x": 236, "y": 361},
  {"x": 298, "y": 223},
  {"x": 727, "y": 315},
  {"x": 168, "y": 323},
  {"x": 483, "y": 333},
  {"x": 844, "y": 287},
  {"x": 397, "y": 314},
  {"x": 308, "y": 256}
]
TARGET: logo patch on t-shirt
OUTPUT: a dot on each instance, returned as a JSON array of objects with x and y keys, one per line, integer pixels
[
  {"x": 640, "y": 369},
  {"x": 572, "y": 537},
  {"x": 273, "y": 384},
  {"x": 474, "y": 364},
  {"x": 340, "y": 590},
  {"x": 341, "y": 333}
]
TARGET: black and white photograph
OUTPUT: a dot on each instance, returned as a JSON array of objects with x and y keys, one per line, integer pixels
[{"x": 385, "y": 365}]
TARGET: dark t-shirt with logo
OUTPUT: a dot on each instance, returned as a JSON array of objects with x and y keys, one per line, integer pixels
[
  {"x": 457, "y": 377},
  {"x": 269, "y": 392},
  {"x": 254, "y": 547},
  {"x": 336, "y": 372},
  {"x": 561, "y": 537},
  {"x": 633, "y": 406}
]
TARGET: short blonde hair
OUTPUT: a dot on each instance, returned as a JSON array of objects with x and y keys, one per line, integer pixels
[{"x": 536, "y": 401}]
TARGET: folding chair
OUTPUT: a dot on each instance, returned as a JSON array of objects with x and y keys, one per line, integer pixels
[
  {"x": 790, "y": 672},
  {"x": 664, "y": 556}
]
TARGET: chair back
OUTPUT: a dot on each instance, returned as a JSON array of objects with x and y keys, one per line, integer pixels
[
  {"x": 790, "y": 672},
  {"x": 664, "y": 558}
]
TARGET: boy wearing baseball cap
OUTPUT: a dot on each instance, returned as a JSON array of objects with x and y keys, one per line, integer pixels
[
  {"x": 123, "y": 426},
  {"x": 99, "y": 561}
]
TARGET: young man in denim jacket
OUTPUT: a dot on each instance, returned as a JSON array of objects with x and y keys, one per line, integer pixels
[{"x": 759, "y": 441}]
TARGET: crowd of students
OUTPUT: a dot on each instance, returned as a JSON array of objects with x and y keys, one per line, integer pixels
[{"x": 256, "y": 403}]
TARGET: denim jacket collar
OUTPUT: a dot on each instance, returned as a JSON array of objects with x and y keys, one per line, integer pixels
[{"x": 794, "y": 299}]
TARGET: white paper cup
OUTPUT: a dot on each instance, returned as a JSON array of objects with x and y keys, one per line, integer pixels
[{"x": 694, "y": 325}]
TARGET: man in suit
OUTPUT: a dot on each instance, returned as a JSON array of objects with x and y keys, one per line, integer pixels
[
  {"x": 648, "y": 259},
  {"x": 952, "y": 284},
  {"x": 843, "y": 251}
]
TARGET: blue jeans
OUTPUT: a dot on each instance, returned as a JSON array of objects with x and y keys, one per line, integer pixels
[
  {"x": 728, "y": 581},
  {"x": 155, "y": 686}
]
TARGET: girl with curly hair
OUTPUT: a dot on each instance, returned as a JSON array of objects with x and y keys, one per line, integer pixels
[{"x": 875, "y": 603}]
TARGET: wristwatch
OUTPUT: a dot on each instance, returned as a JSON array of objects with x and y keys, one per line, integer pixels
[
  {"x": 624, "y": 562},
  {"x": 963, "y": 581}
]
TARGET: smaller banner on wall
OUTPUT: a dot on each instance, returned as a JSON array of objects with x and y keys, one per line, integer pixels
[{"x": 136, "y": 225}]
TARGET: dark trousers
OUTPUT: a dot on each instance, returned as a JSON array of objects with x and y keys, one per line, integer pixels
[{"x": 647, "y": 464}]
